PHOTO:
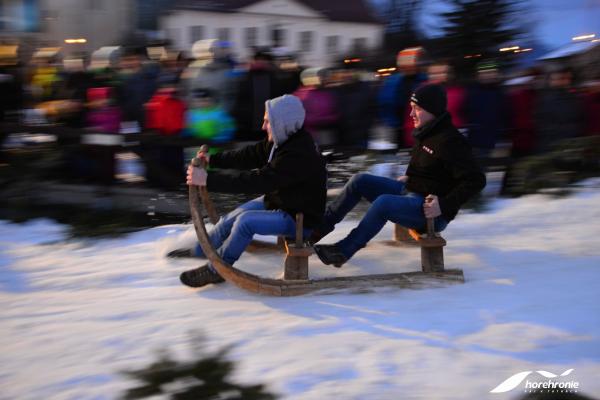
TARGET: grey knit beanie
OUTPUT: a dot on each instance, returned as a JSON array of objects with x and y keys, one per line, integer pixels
[{"x": 286, "y": 116}]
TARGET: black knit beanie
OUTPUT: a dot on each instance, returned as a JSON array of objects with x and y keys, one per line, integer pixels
[{"x": 431, "y": 98}]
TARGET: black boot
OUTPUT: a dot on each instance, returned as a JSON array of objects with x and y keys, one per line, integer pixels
[
  {"x": 318, "y": 234},
  {"x": 330, "y": 254},
  {"x": 180, "y": 253},
  {"x": 200, "y": 276},
  {"x": 314, "y": 237}
]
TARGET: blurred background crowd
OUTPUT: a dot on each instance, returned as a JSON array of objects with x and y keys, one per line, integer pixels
[{"x": 203, "y": 69}]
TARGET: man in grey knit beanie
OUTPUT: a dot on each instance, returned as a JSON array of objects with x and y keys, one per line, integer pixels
[{"x": 285, "y": 168}]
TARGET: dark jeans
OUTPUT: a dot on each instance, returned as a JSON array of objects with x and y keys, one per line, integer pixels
[
  {"x": 234, "y": 231},
  {"x": 389, "y": 202}
]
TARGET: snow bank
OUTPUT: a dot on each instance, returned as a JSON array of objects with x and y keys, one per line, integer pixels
[{"x": 75, "y": 313}]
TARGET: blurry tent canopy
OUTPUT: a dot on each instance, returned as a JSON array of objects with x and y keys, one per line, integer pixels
[
  {"x": 207, "y": 49},
  {"x": 46, "y": 52},
  {"x": 313, "y": 76},
  {"x": 8, "y": 54},
  {"x": 203, "y": 49},
  {"x": 105, "y": 57},
  {"x": 157, "y": 53}
]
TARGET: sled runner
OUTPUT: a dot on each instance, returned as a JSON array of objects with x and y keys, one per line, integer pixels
[{"x": 296, "y": 277}]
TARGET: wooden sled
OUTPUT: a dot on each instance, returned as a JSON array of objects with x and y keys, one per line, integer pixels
[{"x": 296, "y": 278}]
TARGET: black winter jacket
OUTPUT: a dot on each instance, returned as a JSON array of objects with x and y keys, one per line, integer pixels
[
  {"x": 295, "y": 180},
  {"x": 442, "y": 164}
]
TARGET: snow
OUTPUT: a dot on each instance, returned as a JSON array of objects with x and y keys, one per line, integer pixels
[{"x": 77, "y": 312}]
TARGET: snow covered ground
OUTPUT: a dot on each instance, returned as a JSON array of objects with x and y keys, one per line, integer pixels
[{"x": 76, "y": 312}]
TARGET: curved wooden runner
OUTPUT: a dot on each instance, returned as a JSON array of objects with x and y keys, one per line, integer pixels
[
  {"x": 242, "y": 279},
  {"x": 279, "y": 287}
]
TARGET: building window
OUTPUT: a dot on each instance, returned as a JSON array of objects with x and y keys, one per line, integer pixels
[
  {"x": 278, "y": 36},
  {"x": 251, "y": 36},
  {"x": 359, "y": 44},
  {"x": 306, "y": 39},
  {"x": 332, "y": 43},
  {"x": 196, "y": 33},
  {"x": 223, "y": 34}
]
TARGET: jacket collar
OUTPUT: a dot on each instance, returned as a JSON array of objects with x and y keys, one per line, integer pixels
[{"x": 442, "y": 120}]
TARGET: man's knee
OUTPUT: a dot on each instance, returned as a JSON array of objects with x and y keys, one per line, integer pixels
[
  {"x": 244, "y": 223},
  {"x": 358, "y": 179},
  {"x": 384, "y": 203}
]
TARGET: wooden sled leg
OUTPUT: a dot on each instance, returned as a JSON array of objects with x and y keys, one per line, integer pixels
[
  {"x": 296, "y": 268},
  {"x": 432, "y": 259},
  {"x": 296, "y": 259}
]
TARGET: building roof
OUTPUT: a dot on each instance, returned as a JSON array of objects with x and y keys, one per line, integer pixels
[
  {"x": 569, "y": 50},
  {"x": 334, "y": 10}
]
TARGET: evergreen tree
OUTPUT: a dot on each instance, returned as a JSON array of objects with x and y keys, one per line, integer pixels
[
  {"x": 401, "y": 30},
  {"x": 475, "y": 30},
  {"x": 206, "y": 378}
]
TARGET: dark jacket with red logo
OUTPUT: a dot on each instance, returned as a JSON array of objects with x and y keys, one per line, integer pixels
[{"x": 442, "y": 164}]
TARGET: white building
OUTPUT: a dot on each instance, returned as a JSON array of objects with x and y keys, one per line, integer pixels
[{"x": 318, "y": 31}]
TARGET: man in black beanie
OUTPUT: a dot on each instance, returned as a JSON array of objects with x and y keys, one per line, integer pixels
[{"x": 441, "y": 176}]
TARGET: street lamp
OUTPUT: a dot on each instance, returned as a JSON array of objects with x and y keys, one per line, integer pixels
[
  {"x": 76, "y": 41},
  {"x": 583, "y": 37}
]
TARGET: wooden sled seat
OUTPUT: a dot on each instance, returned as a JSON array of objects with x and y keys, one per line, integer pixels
[{"x": 431, "y": 243}]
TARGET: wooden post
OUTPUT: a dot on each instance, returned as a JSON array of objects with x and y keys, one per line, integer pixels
[
  {"x": 299, "y": 230},
  {"x": 430, "y": 228},
  {"x": 296, "y": 260},
  {"x": 432, "y": 259},
  {"x": 432, "y": 250}
]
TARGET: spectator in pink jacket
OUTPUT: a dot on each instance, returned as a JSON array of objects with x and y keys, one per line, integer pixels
[
  {"x": 320, "y": 103},
  {"x": 102, "y": 115}
]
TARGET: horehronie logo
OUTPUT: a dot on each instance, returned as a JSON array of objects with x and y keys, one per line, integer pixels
[{"x": 549, "y": 385}]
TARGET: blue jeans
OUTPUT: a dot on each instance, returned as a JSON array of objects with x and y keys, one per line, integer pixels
[
  {"x": 389, "y": 202},
  {"x": 234, "y": 231}
]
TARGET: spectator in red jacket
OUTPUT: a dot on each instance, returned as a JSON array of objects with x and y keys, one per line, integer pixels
[
  {"x": 521, "y": 127},
  {"x": 441, "y": 73},
  {"x": 591, "y": 101}
]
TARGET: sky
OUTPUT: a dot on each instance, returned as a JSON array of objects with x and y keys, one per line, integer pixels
[
  {"x": 560, "y": 20},
  {"x": 552, "y": 22}
]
